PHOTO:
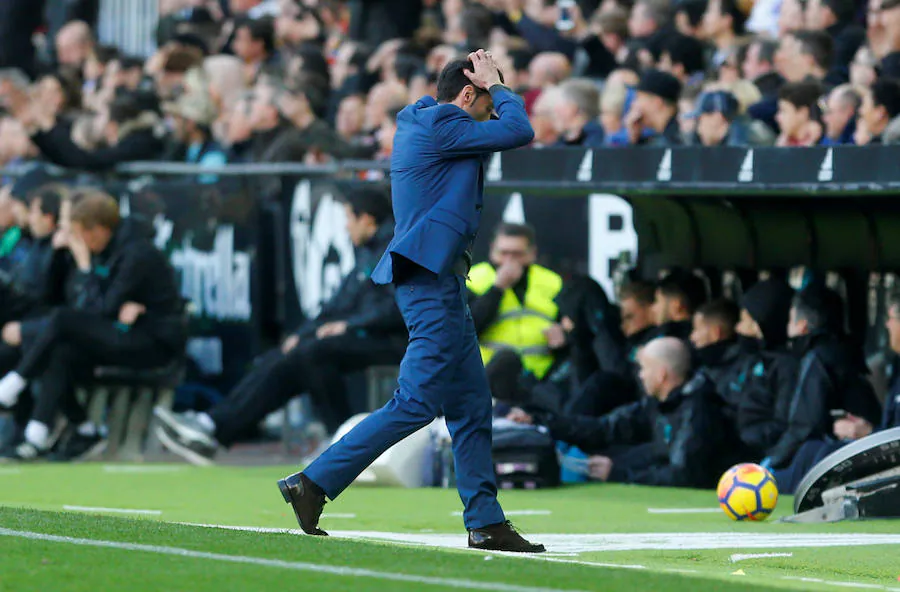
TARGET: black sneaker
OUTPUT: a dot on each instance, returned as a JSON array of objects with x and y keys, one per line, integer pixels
[
  {"x": 78, "y": 448},
  {"x": 501, "y": 537},
  {"x": 24, "y": 452},
  {"x": 183, "y": 435}
]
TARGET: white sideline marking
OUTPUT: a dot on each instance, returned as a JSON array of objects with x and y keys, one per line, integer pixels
[
  {"x": 516, "y": 513},
  {"x": 292, "y": 565},
  {"x": 683, "y": 510},
  {"x": 141, "y": 469},
  {"x": 112, "y": 510},
  {"x": 840, "y": 584},
  {"x": 324, "y": 516},
  {"x": 587, "y": 543},
  {"x": 742, "y": 556}
]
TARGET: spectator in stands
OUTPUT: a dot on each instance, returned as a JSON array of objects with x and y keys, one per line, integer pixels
[
  {"x": 545, "y": 70},
  {"x": 358, "y": 327},
  {"x": 130, "y": 135},
  {"x": 60, "y": 92},
  {"x": 852, "y": 427},
  {"x": 862, "y": 68},
  {"x": 576, "y": 113},
  {"x": 790, "y": 17},
  {"x": 689, "y": 17},
  {"x": 351, "y": 117},
  {"x": 836, "y": 18},
  {"x": 254, "y": 43},
  {"x": 759, "y": 68},
  {"x": 716, "y": 126},
  {"x": 672, "y": 437},
  {"x": 513, "y": 301},
  {"x": 804, "y": 55},
  {"x": 655, "y": 110},
  {"x": 880, "y": 105},
  {"x": 683, "y": 57},
  {"x": 612, "y": 110},
  {"x": 839, "y": 115},
  {"x": 13, "y": 243},
  {"x": 124, "y": 309},
  {"x": 886, "y": 42},
  {"x": 543, "y": 116},
  {"x": 602, "y": 40},
  {"x": 383, "y": 97},
  {"x": 766, "y": 384},
  {"x": 74, "y": 44},
  {"x": 170, "y": 79},
  {"x": 833, "y": 376},
  {"x": 648, "y": 27},
  {"x": 386, "y": 136},
  {"x": 798, "y": 114},
  {"x": 678, "y": 295},
  {"x": 723, "y": 23},
  {"x": 190, "y": 118}
]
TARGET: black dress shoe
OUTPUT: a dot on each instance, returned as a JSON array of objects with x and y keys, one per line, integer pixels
[
  {"x": 307, "y": 500},
  {"x": 501, "y": 537}
]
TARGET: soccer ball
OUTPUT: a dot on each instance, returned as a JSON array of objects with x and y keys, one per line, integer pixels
[{"x": 747, "y": 492}]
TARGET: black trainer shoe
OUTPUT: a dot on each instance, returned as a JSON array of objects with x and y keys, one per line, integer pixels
[
  {"x": 303, "y": 496},
  {"x": 183, "y": 435},
  {"x": 24, "y": 452},
  {"x": 501, "y": 537},
  {"x": 78, "y": 448}
]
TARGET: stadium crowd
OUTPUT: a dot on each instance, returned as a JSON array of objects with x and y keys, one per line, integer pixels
[{"x": 314, "y": 80}]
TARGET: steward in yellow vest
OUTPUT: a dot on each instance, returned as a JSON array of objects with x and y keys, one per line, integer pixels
[{"x": 521, "y": 320}]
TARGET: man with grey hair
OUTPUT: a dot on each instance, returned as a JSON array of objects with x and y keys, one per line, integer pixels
[
  {"x": 673, "y": 437},
  {"x": 577, "y": 111},
  {"x": 839, "y": 115}
]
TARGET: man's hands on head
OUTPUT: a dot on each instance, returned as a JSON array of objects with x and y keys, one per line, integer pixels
[{"x": 486, "y": 72}]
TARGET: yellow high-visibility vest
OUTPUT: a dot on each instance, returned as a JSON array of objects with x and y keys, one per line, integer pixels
[{"x": 520, "y": 326}]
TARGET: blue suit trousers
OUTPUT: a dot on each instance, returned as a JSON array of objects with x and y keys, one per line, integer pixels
[{"x": 442, "y": 372}]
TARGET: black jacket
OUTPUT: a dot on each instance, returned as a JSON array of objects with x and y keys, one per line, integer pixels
[
  {"x": 678, "y": 329},
  {"x": 19, "y": 19},
  {"x": 847, "y": 39},
  {"x": 132, "y": 269},
  {"x": 29, "y": 288},
  {"x": 721, "y": 363},
  {"x": 678, "y": 442},
  {"x": 57, "y": 146},
  {"x": 832, "y": 376},
  {"x": 766, "y": 385},
  {"x": 891, "y": 416},
  {"x": 364, "y": 305}
]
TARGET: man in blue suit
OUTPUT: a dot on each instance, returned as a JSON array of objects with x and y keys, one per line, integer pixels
[{"x": 437, "y": 178}]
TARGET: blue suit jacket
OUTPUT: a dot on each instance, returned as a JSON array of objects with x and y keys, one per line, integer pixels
[{"x": 437, "y": 178}]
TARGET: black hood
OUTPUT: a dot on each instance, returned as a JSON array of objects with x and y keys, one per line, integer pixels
[
  {"x": 769, "y": 303},
  {"x": 680, "y": 329},
  {"x": 720, "y": 353}
]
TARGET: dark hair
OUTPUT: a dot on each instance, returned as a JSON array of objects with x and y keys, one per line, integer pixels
[
  {"x": 685, "y": 287},
  {"x": 131, "y": 62},
  {"x": 844, "y": 10},
  {"x": 313, "y": 60},
  {"x": 261, "y": 29},
  {"x": 366, "y": 200},
  {"x": 801, "y": 94},
  {"x": 124, "y": 108},
  {"x": 893, "y": 300},
  {"x": 183, "y": 59},
  {"x": 687, "y": 51},
  {"x": 452, "y": 80},
  {"x": 521, "y": 58},
  {"x": 525, "y": 231},
  {"x": 694, "y": 10},
  {"x": 191, "y": 40},
  {"x": 644, "y": 293},
  {"x": 767, "y": 49},
  {"x": 722, "y": 312},
  {"x": 477, "y": 22},
  {"x": 106, "y": 53},
  {"x": 70, "y": 85},
  {"x": 820, "y": 307},
  {"x": 407, "y": 66},
  {"x": 886, "y": 93},
  {"x": 817, "y": 44},
  {"x": 51, "y": 197},
  {"x": 730, "y": 8}
]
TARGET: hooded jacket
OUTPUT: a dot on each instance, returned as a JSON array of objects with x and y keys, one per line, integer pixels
[
  {"x": 132, "y": 269},
  {"x": 678, "y": 442},
  {"x": 722, "y": 363},
  {"x": 832, "y": 376},
  {"x": 763, "y": 388}
]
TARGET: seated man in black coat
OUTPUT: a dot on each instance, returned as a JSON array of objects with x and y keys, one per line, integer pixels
[
  {"x": 678, "y": 295},
  {"x": 123, "y": 309},
  {"x": 833, "y": 380},
  {"x": 672, "y": 437},
  {"x": 359, "y": 327}
]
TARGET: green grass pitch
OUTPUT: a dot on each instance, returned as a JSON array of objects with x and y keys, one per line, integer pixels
[{"x": 122, "y": 527}]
